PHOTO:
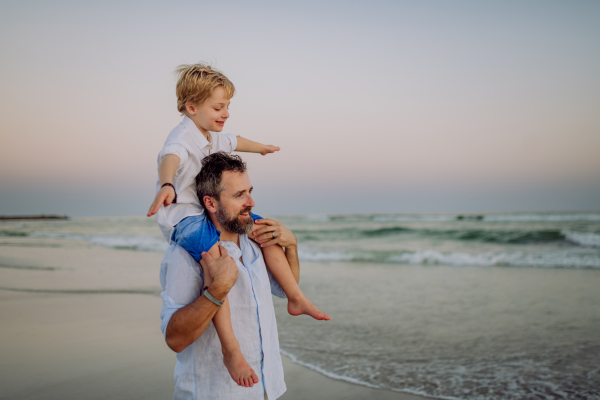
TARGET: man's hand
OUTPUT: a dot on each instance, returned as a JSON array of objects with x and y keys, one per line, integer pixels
[
  {"x": 164, "y": 197},
  {"x": 223, "y": 270},
  {"x": 269, "y": 148},
  {"x": 272, "y": 232}
]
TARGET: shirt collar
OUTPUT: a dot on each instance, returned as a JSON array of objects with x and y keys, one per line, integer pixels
[
  {"x": 246, "y": 250},
  {"x": 199, "y": 138}
]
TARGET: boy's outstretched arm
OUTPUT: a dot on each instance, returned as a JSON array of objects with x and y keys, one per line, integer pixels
[
  {"x": 166, "y": 172},
  {"x": 248, "y": 146}
]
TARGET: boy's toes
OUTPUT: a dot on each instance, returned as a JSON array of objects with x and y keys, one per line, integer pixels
[{"x": 254, "y": 377}]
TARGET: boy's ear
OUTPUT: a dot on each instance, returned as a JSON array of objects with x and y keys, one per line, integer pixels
[
  {"x": 190, "y": 107},
  {"x": 210, "y": 203}
]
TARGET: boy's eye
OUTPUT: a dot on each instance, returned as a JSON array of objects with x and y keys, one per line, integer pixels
[{"x": 217, "y": 109}]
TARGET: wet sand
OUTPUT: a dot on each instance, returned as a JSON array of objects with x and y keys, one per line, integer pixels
[{"x": 82, "y": 321}]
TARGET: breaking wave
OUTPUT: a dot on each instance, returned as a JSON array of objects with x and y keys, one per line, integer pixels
[{"x": 554, "y": 259}]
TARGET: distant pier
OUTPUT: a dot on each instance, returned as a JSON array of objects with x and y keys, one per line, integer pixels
[{"x": 41, "y": 216}]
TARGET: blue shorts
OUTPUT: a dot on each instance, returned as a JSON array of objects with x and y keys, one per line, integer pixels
[{"x": 197, "y": 234}]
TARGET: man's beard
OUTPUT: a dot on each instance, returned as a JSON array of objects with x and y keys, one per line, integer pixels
[{"x": 234, "y": 224}]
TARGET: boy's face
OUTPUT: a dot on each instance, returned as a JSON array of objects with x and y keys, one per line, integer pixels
[{"x": 212, "y": 114}]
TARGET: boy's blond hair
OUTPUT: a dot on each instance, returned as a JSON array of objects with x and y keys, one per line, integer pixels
[{"x": 197, "y": 82}]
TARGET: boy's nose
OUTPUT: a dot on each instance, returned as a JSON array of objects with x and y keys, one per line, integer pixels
[{"x": 226, "y": 113}]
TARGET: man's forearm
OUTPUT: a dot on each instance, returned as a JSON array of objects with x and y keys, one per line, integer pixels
[
  {"x": 291, "y": 253},
  {"x": 188, "y": 323}
]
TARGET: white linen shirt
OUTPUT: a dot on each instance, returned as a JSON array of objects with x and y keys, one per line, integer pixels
[
  {"x": 200, "y": 372},
  {"x": 187, "y": 142}
]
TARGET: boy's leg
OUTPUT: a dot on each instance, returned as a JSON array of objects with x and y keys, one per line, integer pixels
[
  {"x": 298, "y": 303},
  {"x": 234, "y": 360}
]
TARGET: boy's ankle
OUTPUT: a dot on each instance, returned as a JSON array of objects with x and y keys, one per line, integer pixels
[
  {"x": 230, "y": 350},
  {"x": 297, "y": 298}
]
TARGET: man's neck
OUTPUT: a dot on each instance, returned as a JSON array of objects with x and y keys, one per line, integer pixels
[{"x": 226, "y": 235}]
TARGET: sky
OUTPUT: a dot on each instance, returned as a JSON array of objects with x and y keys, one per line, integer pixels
[{"x": 378, "y": 107}]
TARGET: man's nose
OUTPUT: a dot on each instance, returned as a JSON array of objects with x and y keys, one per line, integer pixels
[{"x": 250, "y": 201}]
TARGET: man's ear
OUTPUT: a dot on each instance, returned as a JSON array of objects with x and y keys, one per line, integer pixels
[
  {"x": 190, "y": 107},
  {"x": 211, "y": 204}
]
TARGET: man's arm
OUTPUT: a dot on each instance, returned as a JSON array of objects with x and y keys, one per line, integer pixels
[
  {"x": 188, "y": 323},
  {"x": 248, "y": 146}
]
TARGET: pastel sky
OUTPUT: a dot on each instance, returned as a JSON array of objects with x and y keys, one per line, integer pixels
[{"x": 379, "y": 106}]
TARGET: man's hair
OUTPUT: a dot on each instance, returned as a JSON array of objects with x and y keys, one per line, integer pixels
[
  {"x": 197, "y": 82},
  {"x": 208, "y": 181}
]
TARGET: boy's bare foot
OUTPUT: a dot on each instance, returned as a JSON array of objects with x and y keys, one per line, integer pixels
[
  {"x": 303, "y": 306},
  {"x": 239, "y": 369}
]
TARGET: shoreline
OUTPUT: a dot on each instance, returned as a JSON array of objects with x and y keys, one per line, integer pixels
[
  {"x": 66, "y": 321},
  {"x": 106, "y": 354}
]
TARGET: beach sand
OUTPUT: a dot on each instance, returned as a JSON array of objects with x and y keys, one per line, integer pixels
[{"x": 82, "y": 321}]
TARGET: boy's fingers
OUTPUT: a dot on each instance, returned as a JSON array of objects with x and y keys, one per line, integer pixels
[
  {"x": 153, "y": 209},
  {"x": 206, "y": 256}
]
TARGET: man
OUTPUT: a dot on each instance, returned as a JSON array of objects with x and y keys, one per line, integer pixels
[{"x": 238, "y": 274}]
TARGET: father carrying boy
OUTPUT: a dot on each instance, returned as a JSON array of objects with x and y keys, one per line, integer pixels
[
  {"x": 240, "y": 275},
  {"x": 203, "y": 97}
]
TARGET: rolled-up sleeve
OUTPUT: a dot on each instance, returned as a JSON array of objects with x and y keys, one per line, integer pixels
[
  {"x": 168, "y": 309},
  {"x": 177, "y": 149},
  {"x": 232, "y": 141},
  {"x": 182, "y": 280}
]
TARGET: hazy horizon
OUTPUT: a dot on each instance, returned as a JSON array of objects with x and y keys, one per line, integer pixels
[{"x": 384, "y": 107}]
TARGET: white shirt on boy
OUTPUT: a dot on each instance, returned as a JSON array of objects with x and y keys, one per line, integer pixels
[{"x": 187, "y": 142}]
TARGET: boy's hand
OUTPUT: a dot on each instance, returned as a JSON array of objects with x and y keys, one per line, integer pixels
[
  {"x": 164, "y": 197},
  {"x": 268, "y": 148}
]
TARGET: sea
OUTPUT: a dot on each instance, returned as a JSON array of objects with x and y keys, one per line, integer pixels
[{"x": 449, "y": 306}]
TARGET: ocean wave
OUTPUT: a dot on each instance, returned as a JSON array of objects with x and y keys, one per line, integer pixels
[
  {"x": 306, "y": 254},
  {"x": 518, "y": 375},
  {"x": 140, "y": 243},
  {"x": 555, "y": 259},
  {"x": 486, "y": 217},
  {"x": 541, "y": 217},
  {"x": 521, "y": 236},
  {"x": 552, "y": 259},
  {"x": 413, "y": 218},
  {"x": 9, "y": 233},
  {"x": 582, "y": 239}
]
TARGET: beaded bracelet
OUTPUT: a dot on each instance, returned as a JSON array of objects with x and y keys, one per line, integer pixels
[{"x": 170, "y": 184}]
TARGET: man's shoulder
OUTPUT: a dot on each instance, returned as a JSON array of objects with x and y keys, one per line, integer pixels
[{"x": 175, "y": 255}]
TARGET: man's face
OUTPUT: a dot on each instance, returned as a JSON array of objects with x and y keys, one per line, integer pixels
[{"x": 235, "y": 204}]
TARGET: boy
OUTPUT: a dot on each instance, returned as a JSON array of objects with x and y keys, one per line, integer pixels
[{"x": 203, "y": 97}]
